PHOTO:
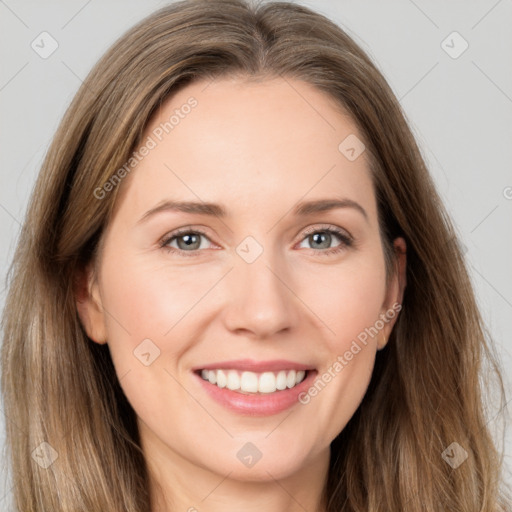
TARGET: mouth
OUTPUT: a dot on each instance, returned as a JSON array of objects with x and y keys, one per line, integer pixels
[
  {"x": 255, "y": 388},
  {"x": 250, "y": 383}
]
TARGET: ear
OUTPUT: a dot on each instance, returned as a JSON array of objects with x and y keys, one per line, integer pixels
[
  {"x": 395, "y": 292},
  {"x": 88, "y": 304}
]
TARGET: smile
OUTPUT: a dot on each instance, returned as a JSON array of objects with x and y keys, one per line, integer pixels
[
  {"x": 252, "y": 382},
  {"x": 255, "y": 388}
]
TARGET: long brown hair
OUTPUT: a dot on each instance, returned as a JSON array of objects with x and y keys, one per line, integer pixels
[{"x": 429, "y": 385}]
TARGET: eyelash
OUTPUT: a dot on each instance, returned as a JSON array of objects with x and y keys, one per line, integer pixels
[{"x": 346, "y": 240}]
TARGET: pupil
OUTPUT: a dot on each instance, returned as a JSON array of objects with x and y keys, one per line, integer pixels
[
  {"x": 189, "y": 239},
  {"x": 322, "y": 235}
]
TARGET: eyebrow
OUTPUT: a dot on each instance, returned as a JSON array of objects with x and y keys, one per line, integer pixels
[{"x": 302, "y": 209}]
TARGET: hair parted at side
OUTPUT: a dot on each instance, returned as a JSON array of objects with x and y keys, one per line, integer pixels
[{"x": 429, "y": 382}]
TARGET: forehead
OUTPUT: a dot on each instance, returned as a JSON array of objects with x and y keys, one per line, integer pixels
[{"x": 248, "y": 143}]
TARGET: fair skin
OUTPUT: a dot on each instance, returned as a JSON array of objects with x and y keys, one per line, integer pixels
[{"x": 257, "y": 149}]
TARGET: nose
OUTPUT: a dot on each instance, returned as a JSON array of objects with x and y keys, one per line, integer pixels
[{"x": 260, "y": 300}]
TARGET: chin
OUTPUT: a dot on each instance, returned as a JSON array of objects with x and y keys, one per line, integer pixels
[{"x": 274, "y": 466}]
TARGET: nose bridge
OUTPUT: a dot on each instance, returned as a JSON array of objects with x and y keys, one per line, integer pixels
[{"x": 259, "y": 298}]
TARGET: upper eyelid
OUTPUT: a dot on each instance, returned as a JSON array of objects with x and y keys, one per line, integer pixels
[
  {"x": 326, "y": 227},
  {"x": 304, "y": 232}
]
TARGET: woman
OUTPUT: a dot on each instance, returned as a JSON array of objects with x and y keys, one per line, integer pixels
[{"x": 172, "y": 340}]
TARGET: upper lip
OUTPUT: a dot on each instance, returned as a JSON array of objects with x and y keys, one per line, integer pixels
[{"x": 255, "y": 366}]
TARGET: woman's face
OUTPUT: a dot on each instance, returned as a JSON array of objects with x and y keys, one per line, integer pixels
[{"x": 283, "y": 287}]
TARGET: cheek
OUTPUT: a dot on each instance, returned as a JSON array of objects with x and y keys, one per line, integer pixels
[
  {"x": 143, "y": 301},
  {"x": 149, "y": 310},
  {"x": 348, "y": 302},
  {"x": 346, "y": 299}
]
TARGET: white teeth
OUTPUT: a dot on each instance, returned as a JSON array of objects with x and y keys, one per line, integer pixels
[
  {"x": 290, "y": 378},
  {"x": 267, "y": 383},
  {"x": 233, "y": 380},
  {"x": 251, "y": 382},
  {"x": 222, "y": 380},
  {"x": 281, "y": 380}
]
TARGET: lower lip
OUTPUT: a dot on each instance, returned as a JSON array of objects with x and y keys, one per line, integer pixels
[{"x": 264, "y": 404}]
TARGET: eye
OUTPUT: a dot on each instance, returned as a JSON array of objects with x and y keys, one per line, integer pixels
[
  {"x": 187, "y": 240},
  {"x": 322, "y": 237}
]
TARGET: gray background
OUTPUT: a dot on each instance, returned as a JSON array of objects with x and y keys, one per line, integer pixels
[{"x": 460, "y": 110}]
